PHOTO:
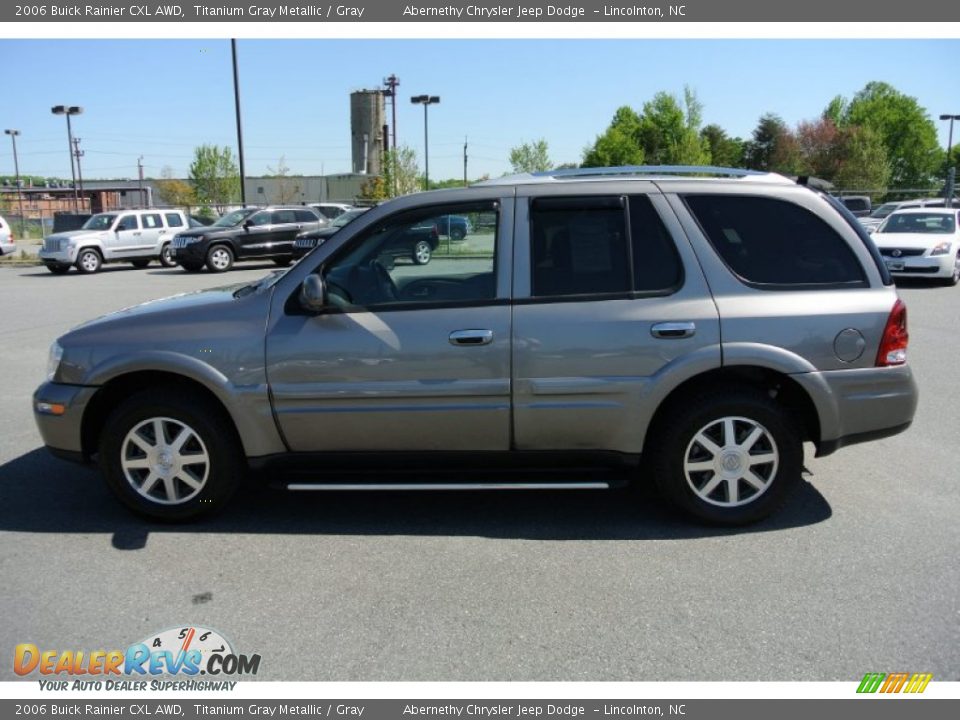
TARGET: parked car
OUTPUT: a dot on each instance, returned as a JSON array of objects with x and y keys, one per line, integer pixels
[
  {"x": 456, "y": 227},
  {"x": 873, "y": 221},
  {"x": 922, "y": 242},
  {"x": 133, "y": 236},
  {"x": 858, "y": 205},
  {"x": 331, "y": 210},
  {"x": 307, "y": 241},
  {"x": 585, "y": 342},
  {"x": 7, "y": 244},
  {"x": 248, "y": 233}
]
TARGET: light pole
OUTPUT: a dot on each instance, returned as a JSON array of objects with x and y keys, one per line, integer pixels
[
  {"x": 236, "y": 102},
  {"x": 426, "y": 101},
  {"x": 952, "y": 170},
  {"x": 16, "y": 169},
  {"x": 69, "y": 110}
]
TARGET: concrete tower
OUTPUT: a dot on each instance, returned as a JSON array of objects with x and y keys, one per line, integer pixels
[{"x": 367, "y": 118}]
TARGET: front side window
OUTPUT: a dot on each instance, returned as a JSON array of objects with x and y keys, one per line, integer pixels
[
  {"x": 772, "y": 242},
  {"x": 304, "y": 216},
  {"x": 258, "y": 219},
  {"x": 128, "y": 222},
  {"x": 283, "y": 217},
  {"x": 403, "y": 260}
]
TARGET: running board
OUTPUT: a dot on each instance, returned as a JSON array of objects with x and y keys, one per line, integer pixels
[{"x": 453, "y": 486}]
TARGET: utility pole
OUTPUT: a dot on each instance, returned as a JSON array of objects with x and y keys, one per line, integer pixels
[
  {"x": 16, "y": 168},
  {"x": 236, "y": 100},
  {"x": 78, "y": 153},
  {"x": 464, "y": 160},
  {"x": 392, "y": 83},
  {"x": 140, "y": 179}
]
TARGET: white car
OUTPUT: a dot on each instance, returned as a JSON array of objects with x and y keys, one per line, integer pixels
[
  {"x": 7, "y": 246},
  {"x": 922, "y": 242},
  {"x": 880, "y": 213}
]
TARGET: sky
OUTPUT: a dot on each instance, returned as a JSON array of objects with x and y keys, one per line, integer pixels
[{"x": 161, "y": 98}]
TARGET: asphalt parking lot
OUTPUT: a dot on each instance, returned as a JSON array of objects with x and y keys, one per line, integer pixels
[{"x": 858, "y": 574}]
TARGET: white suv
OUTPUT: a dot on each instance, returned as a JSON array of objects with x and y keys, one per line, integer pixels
[
  {"x": 6, "y": 238},
  {"x": 134, "y": 236}
]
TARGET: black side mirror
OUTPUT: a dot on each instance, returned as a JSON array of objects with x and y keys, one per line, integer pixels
[
  {"x": 247, "y": 224},
  {"x": 313, "y": 293}
]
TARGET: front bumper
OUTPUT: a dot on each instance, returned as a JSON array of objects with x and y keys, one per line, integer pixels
[
  {"x": 62, "y": 432},
  {"x": 58, "y": 257},
  {"x": 940, "y": 266},
  {"x": 7, "y": 249},
  {"x": 861, "y": 404}
]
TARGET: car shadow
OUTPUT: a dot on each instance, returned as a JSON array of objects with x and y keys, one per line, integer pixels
[
  {"x": 41, "y": 494},
  {"x": 238, "y": 266}
]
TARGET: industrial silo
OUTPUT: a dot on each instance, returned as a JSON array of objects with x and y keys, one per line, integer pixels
[{"x": 367, "y": 120}]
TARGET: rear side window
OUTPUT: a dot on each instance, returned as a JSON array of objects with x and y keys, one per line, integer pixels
[
  {"x": 776, "y": 243},
  {"x": 600, "y": 246},
  {"x": 283, "y": 217},
  {"x": 152, "y": 221},
  {"x": 174, "y": 220}
]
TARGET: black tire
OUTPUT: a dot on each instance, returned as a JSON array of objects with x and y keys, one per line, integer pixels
[
  {"x": 672, "y": 442},
  {"x": 59, "y": 269},
  {"x": 89, "y": 261},
  {"x": 142, "y": 263},
  {"x": 191, "y": 267},
  {"x": 213, "y": 432},
  {"x": 422, "y": 252},
  {"x": 166, "y": 256},
  {"x": 457, "y": 233},
  {"x": 282, "y": 262},
  {"x": 219, "y": 258}
]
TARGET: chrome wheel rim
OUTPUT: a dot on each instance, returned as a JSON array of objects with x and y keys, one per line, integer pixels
[
  {"x": 422, "y": 252},
  {"x": 220, "y": 258},
  {"x": 731, "y": 462},
  {"x": 89, "y": 261},
  {"x": 165, "y": 461},
  {"x": 166, "y": 255}
]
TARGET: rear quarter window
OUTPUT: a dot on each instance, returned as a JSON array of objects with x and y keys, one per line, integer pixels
[{"x": 774, "y": 243}]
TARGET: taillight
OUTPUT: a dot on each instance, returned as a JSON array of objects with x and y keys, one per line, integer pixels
[{"x": 893, "y": 345}]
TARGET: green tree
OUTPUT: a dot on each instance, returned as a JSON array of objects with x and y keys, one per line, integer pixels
[
  {"x": 173, "y": 191},
  {"x": 215, "y": 176},
  {"x": 864, "y": 163},
  {"x": 401, "y": 174},
  {"x": 669, "y": 133},
  {"x": 619, "y": 144},
  {"x": 773, "y": 147},
  {"x": 287, "y": 188},
  {"x": 724, "y": 150},
  {"x": 530, "y": 157},
  {"x": 904, "y": 127}
]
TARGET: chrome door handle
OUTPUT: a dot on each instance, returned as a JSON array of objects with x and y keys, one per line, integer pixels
[
  {"x": 471, "y": 337},
  {"x": 670, "y": 330}
]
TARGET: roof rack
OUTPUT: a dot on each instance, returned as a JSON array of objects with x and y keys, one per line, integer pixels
[{"x": 637, "y": 172}]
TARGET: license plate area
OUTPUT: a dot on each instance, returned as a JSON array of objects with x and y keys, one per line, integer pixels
[{"x": 894, "y": 265}]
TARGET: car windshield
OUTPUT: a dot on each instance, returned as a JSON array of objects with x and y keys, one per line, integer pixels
[
  {"x": 234, "y": 218},
  {"x": 103, "y": 221},
  {"x": 933, "y": 223}
]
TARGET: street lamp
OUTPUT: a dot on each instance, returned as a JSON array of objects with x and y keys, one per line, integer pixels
[
  {"x": 952, "y": 170},
  {"x": 16, "y": 169},
  {"x": 426, "y": 101},
  {"x": 69, "y": 110}
]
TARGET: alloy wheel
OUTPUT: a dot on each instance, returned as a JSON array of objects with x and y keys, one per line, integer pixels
[{"x": 165, "y": 460}]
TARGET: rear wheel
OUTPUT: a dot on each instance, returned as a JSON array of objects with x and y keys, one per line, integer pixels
[
  {"x": 730, "y": 457},
  {"x": 89, "y": 261},
  {"x": 140, "y": 263},
  {"x": 170, "y": 455},
  {"x": 166, "y": 256},
  {"x": 219, "y": 258}
]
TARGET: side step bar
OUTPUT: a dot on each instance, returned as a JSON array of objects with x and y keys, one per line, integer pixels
[{"x": 453, "y": 486}]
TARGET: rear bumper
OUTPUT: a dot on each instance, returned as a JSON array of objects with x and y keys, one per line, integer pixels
[
  {"x": 62, "y": 433},
  {"x": 859, "y": 405}
]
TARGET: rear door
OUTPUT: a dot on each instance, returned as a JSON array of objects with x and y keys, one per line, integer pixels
[
  {"x": 150, "y": 232},
  {"x": 608, "y": 300}
]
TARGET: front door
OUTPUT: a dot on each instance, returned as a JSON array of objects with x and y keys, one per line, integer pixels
[
  {"x": 407, "y": 357},
  {"x": 126, "y": 237}
]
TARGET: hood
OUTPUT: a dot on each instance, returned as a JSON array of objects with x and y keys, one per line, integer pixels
[
  {"x": 207, "y": 230},
  {"x": 78, "y": 234},
  {"x": 911, "y": 240}
]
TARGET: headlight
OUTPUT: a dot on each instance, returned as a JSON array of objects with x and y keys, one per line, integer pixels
[
  {"x": 940, "y": 249},
  {"x": 71, "y": 244},
  {"x": 53, "y": 359}
]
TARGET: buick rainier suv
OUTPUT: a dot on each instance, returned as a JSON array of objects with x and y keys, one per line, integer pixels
[{"x": 695, "y": 326}]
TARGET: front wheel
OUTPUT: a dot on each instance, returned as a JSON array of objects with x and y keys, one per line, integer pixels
[
  {"x": 89, "y": 261},
  {"x": 422, "y": 252},
  {"x": 955, "y": 277},
  {"x": 170, "y": 455},
  {"x": 730, "y": 457},
  {"x": 219, "y": 258}
]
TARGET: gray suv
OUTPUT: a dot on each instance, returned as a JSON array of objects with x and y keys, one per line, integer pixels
[{"x": 694, "y": 325}]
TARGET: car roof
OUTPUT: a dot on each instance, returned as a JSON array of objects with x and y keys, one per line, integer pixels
[
  {"x": 664, "y": 173},
  {"x": 926, "y": 211}
]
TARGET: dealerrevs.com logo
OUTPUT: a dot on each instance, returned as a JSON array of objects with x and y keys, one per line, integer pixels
[
  {"x": 894, "y": 682},
  {"x": 183, "y": 651}
]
